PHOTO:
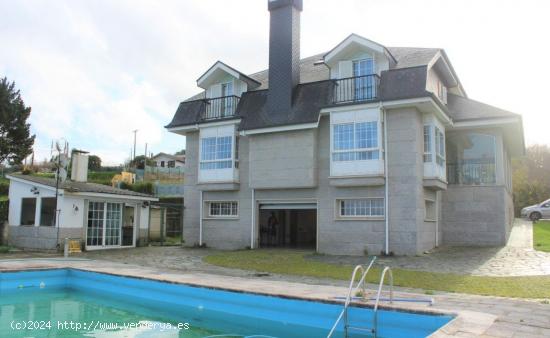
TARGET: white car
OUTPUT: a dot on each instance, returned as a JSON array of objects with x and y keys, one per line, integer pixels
[{"x": 537, "y": 211}]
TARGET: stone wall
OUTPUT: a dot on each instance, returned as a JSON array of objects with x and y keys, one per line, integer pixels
[
  {"x": 40, "y": 238},
  {"x": 475, "y": 215}
]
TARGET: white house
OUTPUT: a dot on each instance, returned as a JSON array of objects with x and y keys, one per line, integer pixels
[
  {"x": 164, "y": 160},
  {"x": 98, "y": 215}
]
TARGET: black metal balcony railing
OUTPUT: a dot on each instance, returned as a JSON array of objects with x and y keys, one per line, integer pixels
[
  {"x": 220, "y": 107},
  {"x": 357, "y": 88},
  {"x": 471, "y": 173}
]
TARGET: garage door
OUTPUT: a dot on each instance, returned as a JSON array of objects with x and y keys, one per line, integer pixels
[{"x": 288, "y": 206}]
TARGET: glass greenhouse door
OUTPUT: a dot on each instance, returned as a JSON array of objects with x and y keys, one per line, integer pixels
[{"x": 104, "y": 224}]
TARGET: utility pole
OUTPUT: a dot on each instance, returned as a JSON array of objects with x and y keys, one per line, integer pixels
[
  {"x": 135, "y": 133},
  {"x": 145, "y": 150}
]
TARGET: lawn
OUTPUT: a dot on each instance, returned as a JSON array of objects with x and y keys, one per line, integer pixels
[
  {"x": 296, "y": 263},
  {"x": 4, "y": 249},
  {"x": 541, "y": 236}
]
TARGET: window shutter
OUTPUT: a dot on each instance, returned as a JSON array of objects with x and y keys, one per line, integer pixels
[
  {"x": 216, "y": 90},
  {"x": 444, "y": 94},
  {"x": 345, "y": 69}
]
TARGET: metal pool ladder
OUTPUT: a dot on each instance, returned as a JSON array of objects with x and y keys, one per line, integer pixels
[{"x": 351, "y": 290}]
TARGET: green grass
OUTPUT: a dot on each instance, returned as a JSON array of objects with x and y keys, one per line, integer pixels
[
  {"x": 4, "y": 249},
  {"x": 541, "y": 236},
  {"x": 295, "y": 263},
  {"x": 3, "y": 198}
]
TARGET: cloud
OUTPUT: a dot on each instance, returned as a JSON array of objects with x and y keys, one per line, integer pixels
[{"x": 93, "y": 71}]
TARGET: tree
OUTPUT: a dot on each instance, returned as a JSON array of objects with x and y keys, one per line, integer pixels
[
  {"x": 139, "y": 162},
  {"x": 181, "y": 152},
  {"x": 94, "y": 162},
  {"x": 531, "y": 177},
  {"x": 15, "y": 139}
]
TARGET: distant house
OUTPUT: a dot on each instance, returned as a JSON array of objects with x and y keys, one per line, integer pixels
[
  {"x": 164, "y": 160},
  {"x": 100, "y": 216}
]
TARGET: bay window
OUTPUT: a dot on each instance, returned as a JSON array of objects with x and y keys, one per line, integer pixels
[
  {"x": 434, "y": 148},
  {"x": 216, "y": 153},
  {"x": 355, "y": 141}
]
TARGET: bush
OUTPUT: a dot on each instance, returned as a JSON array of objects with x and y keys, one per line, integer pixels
[
  {"x": 4, "y": 188},
  {"x": 4, "y": 207},
  {"x": 141, "y": 187}
]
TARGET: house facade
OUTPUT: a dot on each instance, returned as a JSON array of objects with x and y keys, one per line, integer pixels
[
  {"x": 99, "y": 216},
  {"x": 362, "y": 149},
  {"x": 163, "y": 160}
]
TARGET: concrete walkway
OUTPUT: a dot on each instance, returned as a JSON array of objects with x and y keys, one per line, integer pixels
[
  {"x": 517, "y": 258},
  {"x": 477, "y": 316},
  {"x": 521, "y": 235}
]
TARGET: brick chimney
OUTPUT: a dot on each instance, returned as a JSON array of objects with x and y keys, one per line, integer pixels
[{"x": 284, "y": 54}]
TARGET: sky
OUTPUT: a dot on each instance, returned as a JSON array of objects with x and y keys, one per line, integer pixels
[{"x": 94, "y": 71}]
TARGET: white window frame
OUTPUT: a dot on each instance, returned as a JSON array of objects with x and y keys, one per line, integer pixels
[
  {"x": 339, "y": 215},
  {"x": 440, "y": 157},
  {"x": 216, "y": 160},
  {"x": 360, "y": 60},
  {"x": 104, "y": 224},
  {"x": 357, "y": 167},
  {"x": 428, "y": 144},
  {"x": 216, "y": 175},
  {"x": 208, "y": 205},
  {"x": 354, "y": 149}
]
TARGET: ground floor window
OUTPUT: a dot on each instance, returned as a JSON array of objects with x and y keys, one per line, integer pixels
[
  {"x": 104, "y": 224},
  {"x": 47, "y": 211},
  {"x": 223, "y": 209},
  {"x": 363, "y": 207},
  {"x": 28, "y": 211},
  {"x": 430, "y": 210}
]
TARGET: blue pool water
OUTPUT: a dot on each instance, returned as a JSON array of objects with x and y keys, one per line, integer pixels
[{"x": 76, "y": 303}]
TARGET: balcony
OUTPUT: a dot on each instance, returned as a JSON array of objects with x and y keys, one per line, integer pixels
[
  {"x": 220, "y": 107},
  {"x": 356, "y": 89},
  {"x": 472, "y": 173}
]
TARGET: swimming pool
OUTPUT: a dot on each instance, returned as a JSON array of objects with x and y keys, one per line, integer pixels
[{"x": 78, "y": 303}]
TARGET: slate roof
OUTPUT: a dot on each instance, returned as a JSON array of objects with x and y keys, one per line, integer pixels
[
  {"x": 71, "y": 186},
  {"x": 407, "y": 79},
  {"x": 413, "y": 56},
  {"x": 464, "y": 109},
  {"x": 309, "y": 99}
]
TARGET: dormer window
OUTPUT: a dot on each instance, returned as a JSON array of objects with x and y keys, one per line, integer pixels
[
  {"x": 227, "y": 101},
  {"x": 363, "y": 83},
  {"x": 442, "y": 92},
  {"x": 223, "y": 87}
]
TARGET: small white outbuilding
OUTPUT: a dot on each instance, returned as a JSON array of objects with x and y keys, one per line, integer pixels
[{"x": 99, "y": 216}]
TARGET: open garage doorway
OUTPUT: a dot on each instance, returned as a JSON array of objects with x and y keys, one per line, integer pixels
[{"x": 292, "y": 225}]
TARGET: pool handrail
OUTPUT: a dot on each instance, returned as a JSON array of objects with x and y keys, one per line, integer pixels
[
  {"x": 351, "y": 290},
  {"x": 375, "y": 315}
]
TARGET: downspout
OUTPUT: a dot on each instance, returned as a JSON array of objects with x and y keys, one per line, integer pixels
[
  {"x": 253, "y": 219},
  {"x": 386, "y": 183},
  {"x": 437, "y": 205},
  {"x": 200, "y": 219}
]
